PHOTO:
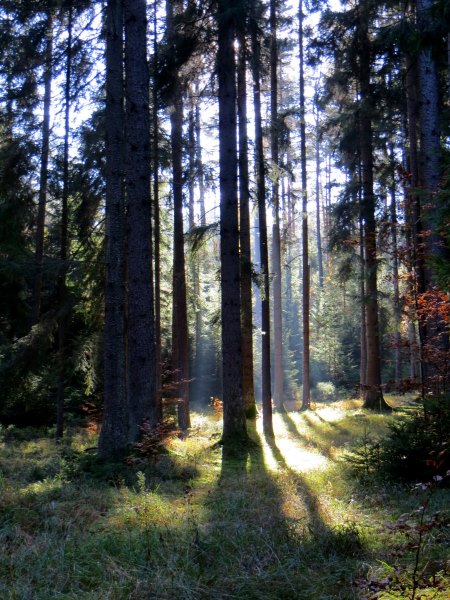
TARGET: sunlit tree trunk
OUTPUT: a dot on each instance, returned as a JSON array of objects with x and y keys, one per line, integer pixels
[
  {"x": 114, "y": 432},
  {"x": 266, "y": 397},
  {"x": 234, "y": 423},
  {"x": 141, "y": 357}
]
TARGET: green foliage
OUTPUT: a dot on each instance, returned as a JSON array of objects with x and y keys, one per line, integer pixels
[
  {"x": 416, "y": 446},
  {"x": 325, "y": 391}
]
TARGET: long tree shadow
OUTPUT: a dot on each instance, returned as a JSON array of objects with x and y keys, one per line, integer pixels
[{"x": 266, "y": 537}]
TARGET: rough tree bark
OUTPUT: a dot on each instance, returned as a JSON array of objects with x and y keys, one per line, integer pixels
[
  {"x": 141, "y": 361},
  {"x": 114, "y": 432},
  {"x": 234, "y": 423},
  {"x": 244, "y": 233}
]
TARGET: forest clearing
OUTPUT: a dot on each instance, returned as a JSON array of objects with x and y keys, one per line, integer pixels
[{"x": 287, "y": 519}]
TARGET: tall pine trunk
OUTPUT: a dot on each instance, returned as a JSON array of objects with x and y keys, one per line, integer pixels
[
  {"x": 373, "y": 396},
  {"x": 156, "y": 219},
  {"x": 180, "y": 349},
  {"x": 266, "y": 396},
  {"x": 64, "y": 241},
  {"x": 141, "y": 363},
  {"x": 43, "y": 176},
  {"x": 234, "y": 423},
  {"x": 306, "y": 393},
  {"x": 276, "y": 237},
  {"x": 244, "y": 233},
  {"x": 114, "y": 432}
]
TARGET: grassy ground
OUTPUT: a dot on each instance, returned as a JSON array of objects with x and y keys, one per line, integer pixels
[{"x": 287, "y": 520}]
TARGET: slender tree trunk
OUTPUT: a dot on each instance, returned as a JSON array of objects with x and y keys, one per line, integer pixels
[
  {"x": 306, "y": 395},
  {"x": 362, "y": 296},
  {"x": 318, "y": 204},
  {"x": 244, "y": 234},
  {"x": 234, "y": 423},
  {"x": 114, "y": 432},
  {"x": 141, "y": 359},
  {"x": 266, "y": 397},
  {"x": 180, "y": 349},
  {"x": 417, "y": 283},
  {"x": 64, "y": 243},
  {"x": 43, "y": 178},
  {"x": 198, "y": 151},
  {"x": 157, "y": 221},
  {"x": 373, "y": 397},
  {"x": 276, "y": 239},
  {"x": 395, "y": 272},
  {"x": 429, "y": 138}
]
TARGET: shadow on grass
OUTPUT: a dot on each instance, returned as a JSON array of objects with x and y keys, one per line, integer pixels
[
  {"x": 265, "y": 540},
  {"x": 321, "y": 446}
]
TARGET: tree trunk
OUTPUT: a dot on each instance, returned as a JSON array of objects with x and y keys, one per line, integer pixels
[
  {"x": 157, "y": 221},
  {"x": 373, "y": 397},
  {"x": 114, "y": 432},
  {"x": 266, "y": 397},
  {"x": 244, "y": 234},
  {"x": 318, "y": 204},
  {"x": 276, "y": 239},
  {"x": 234, "y": 423},
  {"x": 141, "y": 361},
  {"x": 180, "y": 349},
  {"x": 395, "y": 272},
  {"x": 43, "y": 178},
  {"x": 64, "y": 243},
  {"x": 306, "y": 394}
]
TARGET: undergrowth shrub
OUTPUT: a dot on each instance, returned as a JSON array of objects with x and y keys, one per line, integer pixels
[{"x": 415, "y": 448}]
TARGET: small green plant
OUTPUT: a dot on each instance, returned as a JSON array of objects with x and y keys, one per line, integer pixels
[{"x": 365, "y": 456}]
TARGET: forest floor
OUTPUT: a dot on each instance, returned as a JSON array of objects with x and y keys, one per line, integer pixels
[{"x": 287, "y": 520}]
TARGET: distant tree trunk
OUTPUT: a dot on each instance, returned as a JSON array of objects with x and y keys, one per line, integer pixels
[
  {"x": 114, "y": 432},
  {"x": 306, "y": 395},
  {"x": 318, "y": 204},
  {"x": 266, "y": 397},
  {"x": 141, "y": 361},
  {"x": 198, "y": 151},
  {"x": 64, "y": 242},
  {"x": 395, "y": 272},
  {"x": 157, "y": 221},
  {"x": 276, "y": 239},
  {"x": 413, "y": 210},
  {"x": 234, "y": 423},
  {"x": 362, "y": 296},
  {"x": 429, "y": 138},
  {"x": 43, "y": 177},
  {"x": 373, "y": 397},
  {"x": 244, "y": 234},
  {"x": 180, "y": 348}
]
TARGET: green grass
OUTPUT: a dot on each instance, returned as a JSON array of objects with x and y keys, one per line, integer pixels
[{"x": 285, "y": 520}]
